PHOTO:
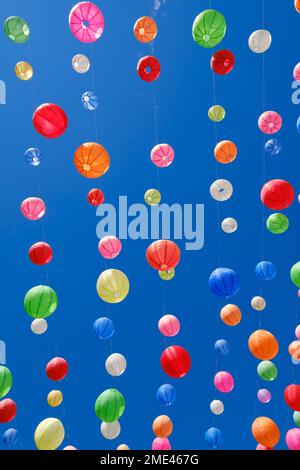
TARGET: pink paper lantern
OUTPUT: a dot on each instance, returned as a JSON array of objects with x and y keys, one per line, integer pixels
[
  {"x": 297, "y": 332},
  {"x": 110, "y": 247},
  {"x": 224, "y": 382},
  {"x": 292, "y": 439},
  {"x": 296, "y": 72},
  {"x": 162, "y": 155},
  {"x": 86, "y": 22},
  {"x": 270, "y": 122},
  {"x": 169, "y": 325},
  {"x": 70, "y": 448},
  {"x": 264, "y": 396},
  {"x": 161, "y": 443},
  {"x": 33, "y": 208}
]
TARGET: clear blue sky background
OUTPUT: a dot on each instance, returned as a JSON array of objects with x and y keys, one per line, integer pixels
[{"x": 126, "y": 129}]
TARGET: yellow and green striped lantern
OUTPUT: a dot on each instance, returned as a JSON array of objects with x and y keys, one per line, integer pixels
[
  {"x": 112, "y": 286},
  {"x": 6, "y": 381},
  {"x": 110, "y": 405},
  {"x": 40, "y": 302},
  {"x": 49, "y": 434},
  {"x": 167, "y": 275},
  {"x": 216, "y": 113},
  {"x": 152, "y": 197},
  {"x": 16, "y": 29}
]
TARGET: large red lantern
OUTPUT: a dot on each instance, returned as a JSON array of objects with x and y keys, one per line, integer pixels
[
  {"x": 277, "y": 194},
  {"x": 8, "y": 410},
  {"x": 95, "y": 197},
  {"x": 175, "y": 361},
  {"x": 163, "y": 255},
  {"x": 57, "y": 369},
  {"x": 222, "y": 62},
  {"x": 148, "y": 68},
  {"x": 40, "y": 253},
  {"x": 292, "y": 397},
  {"x": 50, "y": 120}
]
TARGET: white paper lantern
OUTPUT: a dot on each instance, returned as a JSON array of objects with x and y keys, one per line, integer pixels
[
  {"x": 115, "y": 364},
  {"x": 221, "y": 190},
  {"x": 39, "y": 326},
  {"x": 80, "y": 63},
  {"x": 110, "y": 430},
  {"x": 229, "y": 225},
  {"x": 260, "y": 41},
  {"x": 258, "y": 303},
  {"x": 217, "y": 407}
]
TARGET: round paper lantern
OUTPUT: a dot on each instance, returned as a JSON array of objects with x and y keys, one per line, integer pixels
[
  {"x": 23, "y": 70},
  {"x": 104, "y": 328},
  {"x": 297, "y": 332},
  {"x": 95, "y": 197},
  {"x": 167, "y": 275},
  {"x": 217, "y": 407},
  {"x": 10, "y": 437},
  {"x": 296, "y": 72},
  {"x": 145, "y": 29},
  {"x": 40, "y": 253},
  {"x": 260, "y": 41},
  {"x": 33, "y": 208},
  {"x": 6, "y": 381},
  {"x": 50, "y": 120},
  {"x": 40, "y": 302},
  {"x": 225, "y": 151},
  {"x": 292, "y": 396},
  {"x": 261, "y": 447},
  {"x": 109, "y": 247},
  {"x": 264, "y": 395},
  {"x": 295, "y": 274},
  {"x": 86, "y": 22},
  {"x": 175, "y": 361},
  {"x": 39, "y": 326},
  {"x": 265, "y": 431},
  {"x": 115, "y": 364},
  {"x": 152, "y": 197},
  {"x": 229, "y": 225},
  {"x": 54, "y": 398},
  {"x": 70, "y": 448},
  {"x": 267, "y": 371},
  {"x": 123, "y": 447},
  {"x": 273, "y": 146},
  {"x": 169, "y": 325},
  {"x": 209, "y": 28},
  {"x": 163, "y": 255},
  {"x": 90, "y": 100},
  {"x": 110, "y": 405},
  {"x": 166, "y": 394},
  {"x": 110, "y": 430},
  {"x": 162, "y": 426},
  {"x": 33, "y": 156},
  {"x": 57, "y": 369},
  {"x": 297, "y": 5},
  {"x": 224, "y": 382},
  {"x": 296, "y": 418},
  {"x": 91, "y": 160},
  {"x": 221, "y": 190},
  {"x": 224, "y": 282},
  {"x": 270, "y": 122},
  {"x": 277, "y": 223},
  {"x": 222, "y": 62},
  {"x": 148, "y": 68},
  {"x": 49, "y": 434},
  {"x": 294, "y": 350},
  {"x": 8, "y": 410},
  {"x": 231, "y": 315},
  {"x": 112, "y": 286},
  {"x": 258, "y": 303},
  {"x": 292, "y": 439},
  {"x": 263, "y": 345},
  {"x": 214, "y": 438},
  {"x": 161, "y": 443},
  {"x": 162, "y": 155},
  {"x": 216, "y": 113},
  {"x": 222, "y": 346},
  {"x": 16, "y": 29},
  {"x": 81, "y": 63},
  {"x": 265, "y": 271},
  {"x": 277, "y": 194}
]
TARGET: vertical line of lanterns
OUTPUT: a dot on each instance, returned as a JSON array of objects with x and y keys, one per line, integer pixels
[
  {"x": 263, "y": 344},
  {"x": 92, "y": 161},
  {"x": 40, "y": 301},
  {"x": 209, "y": 28},
  {"x": 162, "y": 255}
]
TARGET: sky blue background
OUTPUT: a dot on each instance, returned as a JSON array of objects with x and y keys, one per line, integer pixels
[{"x": 125, "y": 127}]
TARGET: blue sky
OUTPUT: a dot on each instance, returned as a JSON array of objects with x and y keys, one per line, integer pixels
[{"x": 125, "y": 126}]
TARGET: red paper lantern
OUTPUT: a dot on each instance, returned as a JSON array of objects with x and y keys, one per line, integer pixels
[
  {"x": 95, "y": 197},
  {"x": 57, "y": 369},
  {"x": 292, "y": 397},
  {"x": 277, "y": 194},
  {"x": 50, "y": 120},
  {"x": 148, "y": 68},
  {"x": 163, "y": 255},
  {"x": 40, "y": 253},
  {"x": 8, "y": 410},
  {"x": 175, "y": 361},
  {"x": 222, "y": 62}
]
